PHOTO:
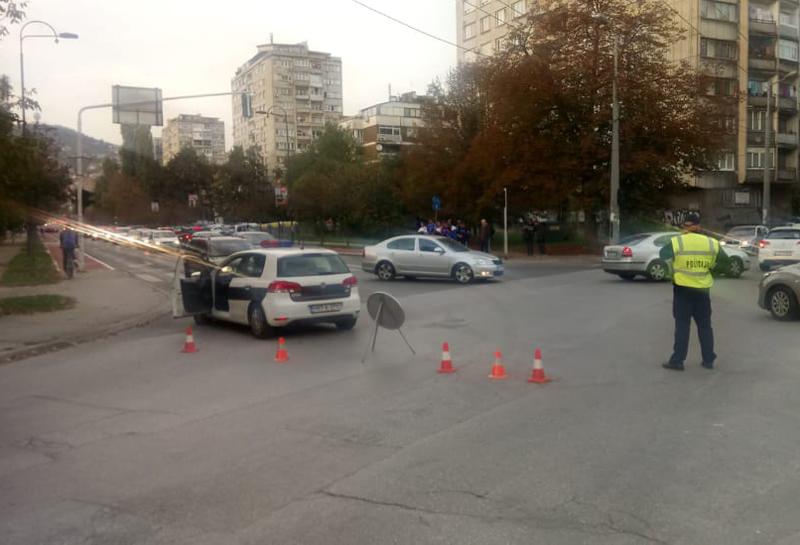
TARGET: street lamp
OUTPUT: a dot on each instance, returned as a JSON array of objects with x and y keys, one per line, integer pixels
[
  {"x": 766, "y": 200},
  {"x": 505, "y": 222},
  {"x": 22, "y": 36},
  {"x": 614, "y": 203}
]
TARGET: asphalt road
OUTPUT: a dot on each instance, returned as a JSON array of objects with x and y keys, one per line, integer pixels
[{"x": 127, "y": 440}]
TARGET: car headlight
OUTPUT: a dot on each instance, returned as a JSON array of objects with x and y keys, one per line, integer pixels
[{"x": 483, "y": 262}]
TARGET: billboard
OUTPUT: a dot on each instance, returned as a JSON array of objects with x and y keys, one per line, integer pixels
[{"x": 137, "y": 105}]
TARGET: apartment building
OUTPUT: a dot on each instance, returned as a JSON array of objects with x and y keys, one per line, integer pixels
[
  {"x": 205, "y": 134},
  {"x": 295, "y": 93},
  {"x": 483, "y": 25},
  {"x": 752, "y": 49},
  {"x": 386, "y": 128}
]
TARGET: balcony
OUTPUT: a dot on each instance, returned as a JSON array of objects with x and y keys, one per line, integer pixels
[
  {"x": 756, "y": 138},
  {"x": 390, "y": 138},
  {"x": 788, "y": 175},
  {"x": 763, "y": 26},
  {"x": 788, "y": 32},
  {"x": 318, "y": 98},
  {"x": 788, "y": 103},
  {"x": 784, "y": 175},
  {"x": 787, "y": 140},
  {"x": 761, "y": 62}
]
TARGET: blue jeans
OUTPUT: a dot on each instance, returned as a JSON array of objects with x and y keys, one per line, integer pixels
[{"x": 688, "y": 303}]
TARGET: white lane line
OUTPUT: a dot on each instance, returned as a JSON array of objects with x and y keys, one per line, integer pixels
[
  {"x": 103, "y": 263},
  {"x": 168, "y": 274},
  {"x": 148, "y": 278}
]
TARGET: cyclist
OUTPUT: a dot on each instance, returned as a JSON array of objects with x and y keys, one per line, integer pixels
[{"x": 68, "y": 242}]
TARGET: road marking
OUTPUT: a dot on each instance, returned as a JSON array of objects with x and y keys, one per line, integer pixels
[
  {"x": 168, "y": 274},
  {"x": 103, "y": 263},
  {"x": 148, "y": 278}
]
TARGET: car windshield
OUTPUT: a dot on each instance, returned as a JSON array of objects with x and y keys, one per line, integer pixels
[
  {"x": 221, "y": 248},
  {"x": 452, "y": 245},
  {"x": 311, "y": 265},
  {"x": 740, "y": 232}
]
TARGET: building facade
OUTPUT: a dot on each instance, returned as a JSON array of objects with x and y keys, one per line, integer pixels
[
  {"x": 753, "y": 51},
  {"x": 386, "y": 128},
  {"x": 482, "y": 25},
  {"x": 295, "y": 93},
  {"x": 205, "y": 134}
]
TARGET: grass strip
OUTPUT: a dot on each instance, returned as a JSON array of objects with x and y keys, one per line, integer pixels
[
  {"x": 31, "y": 270},
  {"x": 30, "y": 304}
]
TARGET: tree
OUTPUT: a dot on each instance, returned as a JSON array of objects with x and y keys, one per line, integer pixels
[
  {"x": 242, "y": 189},
  {"x": 11, "y": 12},
  {"x": 189, "y": 174}
]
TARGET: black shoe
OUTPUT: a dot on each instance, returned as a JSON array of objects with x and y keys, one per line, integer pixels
[
  {"x": 706, "y": 365},
  {"x": 672, "y": 366}
]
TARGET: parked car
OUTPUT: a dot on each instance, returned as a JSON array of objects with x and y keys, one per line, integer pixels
[
  {"x": 429, "y": 256},
  {"x": 215, "y": 249},
  {"x": 260, "y": 239},
  {"x": 270, "y": 289},
  {"x": 745, "y": 237},
  {"x": 638, "y": 255},
  {"x": 779, "y": 292},
  {"x": 780, "y": 247},
  {"x": 163, "y": 237}
]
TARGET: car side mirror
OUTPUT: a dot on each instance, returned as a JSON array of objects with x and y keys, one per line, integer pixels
[{"x": 439, "y": 251}]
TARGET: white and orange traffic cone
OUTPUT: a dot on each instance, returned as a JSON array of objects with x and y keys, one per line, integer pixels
[
  {"x": 447, "y": 363},
  {"x": 189, "y": 346},
  {"x": 537, "y": 374},
  {"x": 498, "y": 371},
  {"x": 281, "y": 355}
]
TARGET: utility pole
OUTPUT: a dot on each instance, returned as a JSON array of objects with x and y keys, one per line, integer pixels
[
  {"x": 766, "y": 197},
  {"x": 614, "y": 205},
  {"x": 505, "y": 223}
]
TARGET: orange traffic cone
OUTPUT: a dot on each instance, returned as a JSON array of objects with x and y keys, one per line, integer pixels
[
  {"x": 537, "y": 375},
  {"x": 189, "y": 346},
  {"x": 447, "y": 363},
  {"x": 281, "y": 356},
  {"x": 498, "y": 371}
]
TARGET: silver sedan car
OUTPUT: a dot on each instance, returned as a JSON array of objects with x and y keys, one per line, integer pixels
[
  {"x": 429, "y": 256},
  {"x": 639, "y": 255}
]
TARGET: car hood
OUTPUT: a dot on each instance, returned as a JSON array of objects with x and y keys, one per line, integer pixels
[{"x": 482, "y": 255}]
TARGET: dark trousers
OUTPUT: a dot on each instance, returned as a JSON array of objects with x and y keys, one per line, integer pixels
[
  {"x": 484, "y": 246},
  {"x": 541, "y": 247},
  {"x": 68, "y": 255},
  {"x": 688, "y": 303},
  {"x": 529, "y": 244}
]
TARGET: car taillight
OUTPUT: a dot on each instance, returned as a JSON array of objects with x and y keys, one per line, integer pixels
[
  {"x": 269, "y": 243},
  {"x": 280, "y": 286},
  {"x": 763, "y": 244},
  {"x": 350, "y": 281},
  {"x": 627, "y": 252}
]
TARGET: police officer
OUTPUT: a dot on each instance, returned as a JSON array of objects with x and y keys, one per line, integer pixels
[{"x": 694, "y": 257}]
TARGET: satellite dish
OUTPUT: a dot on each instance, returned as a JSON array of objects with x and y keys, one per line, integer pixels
[{"x": 387, "y": 313}]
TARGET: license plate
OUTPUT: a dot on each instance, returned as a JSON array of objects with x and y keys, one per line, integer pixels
[
  {"x": 329, "y": 307},
  {"x": 783, "y": 253},
  {"x": 612, "y": 254}
]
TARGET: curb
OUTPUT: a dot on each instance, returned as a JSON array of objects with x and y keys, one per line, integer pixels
[{"x": 74, "y": 340}]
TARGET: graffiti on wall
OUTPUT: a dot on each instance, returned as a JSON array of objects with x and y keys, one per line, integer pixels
[{"x": 676, "y": 217}]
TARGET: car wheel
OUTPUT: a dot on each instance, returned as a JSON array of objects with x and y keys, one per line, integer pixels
[
  {"x": 735, "y": 268},
  {"x": 346, "y": 324},
  {"x": 258, "y": 323},
  {"x": 202, "y": 319},
  {"x": 763, "y": 266},
  {"x": 782, "y": 303},
  {"x": 657, "y": 271},
  {"x": 385, "y": 271},
  {"x": 626, "y": 276},
  {"x": 463, "y": 273}
]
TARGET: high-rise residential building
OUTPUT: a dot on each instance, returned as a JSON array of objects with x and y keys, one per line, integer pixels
[
  {"x": 386, "y": 128},
  {"x": 205, "y": 134},
  {"x": 295, "y": 92},
  {"x": 482, "y": 25},
  {"x": 753, "y": 51}
]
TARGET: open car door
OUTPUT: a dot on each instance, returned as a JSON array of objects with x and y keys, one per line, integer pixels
[{"x": 191, "y": 289}]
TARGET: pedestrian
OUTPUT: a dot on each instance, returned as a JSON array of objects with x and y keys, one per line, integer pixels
[
  {"x": 540, "y": 232},
  {"x": 68, "y": 240},
  {"x": 528, "y": 232},
  {"x": 431, "y": 227},
  {"x": 694, "y": 256},
  {"x": 485, "y": 235}
]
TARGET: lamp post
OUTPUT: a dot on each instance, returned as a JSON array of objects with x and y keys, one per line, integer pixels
[
  {"x": 767, "y": 196},
  {"x": 55, "y": 35},
  {"x": 286, "y": 129},
  {"x": 505, "y": 222}
]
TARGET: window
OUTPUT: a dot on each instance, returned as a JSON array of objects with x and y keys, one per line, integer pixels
[
  {"x": 518, "y": 8},
  {"x": 786, "y": 90},
  {"x": 755, "y": 120},
  {"x": 426, "y": 245},
  {"x": 720, "y": 11},
  {"x": 391, "y": 131},
  {"x": 726, "y": 161},
  {"x": 660, "y": 242},
  {"x": 788, "y": 50},
  {"x": 469, "y": 31},
  {"x": 789, "y": 19},
  {"x": 251, "y": 265},
  {"x": 784, "y": 234},
  {"x": 761, "y": 14},
  {"x": 498, "y": 44},
  {"x": 500, "y": 16},
  {"x": 469, "y": 7},
  {"x": 756, "y": 88},
  {"x": 486, "y": 24},
  {"x": 755, "y": 158},
  {"x": 410, "y": 112},
  {"x": 311, "y": 265},
  {"x": 406, "y": 244},
  {"x": 718, "y": 49},
  {"x": 725, "y": 87}
]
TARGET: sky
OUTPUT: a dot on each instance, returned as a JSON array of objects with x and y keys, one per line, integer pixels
[{"x": 195, "y": 46}]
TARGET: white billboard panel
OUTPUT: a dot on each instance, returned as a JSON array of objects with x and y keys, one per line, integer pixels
[{"x": 137, "y": 106}]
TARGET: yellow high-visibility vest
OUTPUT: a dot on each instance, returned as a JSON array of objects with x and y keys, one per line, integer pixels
[{"x": 695, "y": 256}]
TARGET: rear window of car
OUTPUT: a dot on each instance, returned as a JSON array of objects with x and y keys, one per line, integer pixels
[
  {"x": 632, "y": 240},
  {"x": 221, "y": 248},
  {"x": 402, "y": 244},
  {"x": 784, "y": 234},
  {"x": 311, "y": 265}
]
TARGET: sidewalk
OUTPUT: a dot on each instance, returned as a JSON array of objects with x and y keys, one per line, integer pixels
[{"x": 107, "y": 303}]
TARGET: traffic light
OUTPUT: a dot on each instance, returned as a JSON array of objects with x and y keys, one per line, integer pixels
[{"x": 247, "y": 105}]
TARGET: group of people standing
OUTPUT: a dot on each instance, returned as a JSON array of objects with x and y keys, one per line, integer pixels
[
  {"x": 455, "y": 230},
  {"x": 534, "y": 232}
]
